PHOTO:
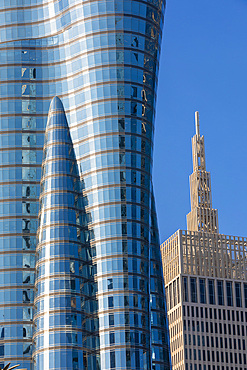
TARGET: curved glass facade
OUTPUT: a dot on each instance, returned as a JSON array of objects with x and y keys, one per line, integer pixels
[
  {"x": 101, "y": 59},
  {"x": 62, "y": 257}
]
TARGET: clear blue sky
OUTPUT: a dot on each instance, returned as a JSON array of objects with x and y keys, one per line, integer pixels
[{"x": 203, "y": 67}]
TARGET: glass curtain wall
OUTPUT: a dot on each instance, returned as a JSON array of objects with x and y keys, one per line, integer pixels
[
  {"x": 101, "y": 59},
  {"x": 62, "y": 270}
]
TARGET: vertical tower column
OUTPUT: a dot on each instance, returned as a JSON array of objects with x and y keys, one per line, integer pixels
[
  {"x": 202, "y": 216},
  {"x": 62, "y": 260}
]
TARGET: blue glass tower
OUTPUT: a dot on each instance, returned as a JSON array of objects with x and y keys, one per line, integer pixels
[
  {"x": 62, "y": 258},
  {"x": 101, "y": 59}
]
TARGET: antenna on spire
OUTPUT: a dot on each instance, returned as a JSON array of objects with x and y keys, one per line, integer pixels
[{"x": 197, "y": 123}]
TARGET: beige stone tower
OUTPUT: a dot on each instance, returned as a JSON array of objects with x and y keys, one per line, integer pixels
[
  {"x": 202, "y": 216},
  {"x": 205, "y": 276}
]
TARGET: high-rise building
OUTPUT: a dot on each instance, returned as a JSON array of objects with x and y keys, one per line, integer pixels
[
  {"x": 98, "y": 294},
  {"x": 206, "y": 283}
]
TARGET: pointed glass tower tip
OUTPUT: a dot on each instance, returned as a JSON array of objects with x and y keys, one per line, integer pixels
[{"x": 61, "y": 281}]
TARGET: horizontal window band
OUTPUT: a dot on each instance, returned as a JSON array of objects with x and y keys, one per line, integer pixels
[
  {"x": 44, "y": 4},
  {"x": 80, "y": 55},
  {"x": 76, "y": 22},
  {"x": 122, "y": 32},
  {"x": 53, "y": 276},
  {"x": 92, "y": 154},
  {"x": 93, "y": 119},
  {"x": 107, "y": 275}
]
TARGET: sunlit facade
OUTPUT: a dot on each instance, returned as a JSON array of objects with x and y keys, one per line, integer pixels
[
  {"x": 101, "y": 59},
  {"x": 205, "y": 277}
]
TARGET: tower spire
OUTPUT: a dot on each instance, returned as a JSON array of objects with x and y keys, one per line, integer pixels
[
  {"x": 197, "y": 123},
  {"x": 202, "y": 216}
]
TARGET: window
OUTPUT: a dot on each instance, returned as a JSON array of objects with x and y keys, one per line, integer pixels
[
  {"x": 229, "y": 293},
  {"x": 128, "y": 359},
  {"x": 171, "y": 296},
  {"x": 112, "y": 360},
  {"x": 137, "y": 359},
  {"x": 202, "y": 312},
  {"x": 238, "y": 294},
  {"x": 202, "y": 291},
  {"x": 175, "y": 292},
  {"x": 188, "y": 311},
  {"x": 111, "y": 320},
  {"x": 239, "y": 344},
  {"x": 186, "y": 354},
  {"x": 226, "y": 346},
  {"x": 110, "y": 302},
  {"x": 202, "y": 326},
  {"x": 208, "y": 353},
  {"x": 193, "y": 290},
  {"x": 192, "y": 311},
  {"x": 134, "y": 92},
  {"x": 178, "y": 291},
  {"x": 193, "y": 325},
  {"x": 216, "y": 327},
  {"x": 215, "y": 314},
  {"x": 237, "y": 314},
  {"x": 110, "y": 284},
  {"x": 220, "y": 291},
  {"x": 225, "y": 329},
  {"x": 211, "y": 292},
  {"x": 217, "y": 342},
  {"x": 185, "y": 285},
  {"x": 220, "y": 328}
]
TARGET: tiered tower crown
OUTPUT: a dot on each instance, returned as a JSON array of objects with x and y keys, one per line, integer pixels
[{"x": 202, "y": 216}]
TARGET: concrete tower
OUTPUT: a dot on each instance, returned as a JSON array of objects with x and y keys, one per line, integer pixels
[
  {"x": 205, "y": 278},
  {"x": 202, "y": 216}
]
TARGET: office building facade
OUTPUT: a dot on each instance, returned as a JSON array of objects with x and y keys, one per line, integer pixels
[
  {"x": 206, "y": 283},
  {"x": 101, "y": 59}
]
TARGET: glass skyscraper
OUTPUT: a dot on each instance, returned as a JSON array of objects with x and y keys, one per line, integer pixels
[{"x": 78, "y": 90}]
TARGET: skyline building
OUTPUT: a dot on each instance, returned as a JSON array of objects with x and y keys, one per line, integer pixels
[
  {"x": 205, "y": 275},
  {"x": 98, "y": 300}
]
